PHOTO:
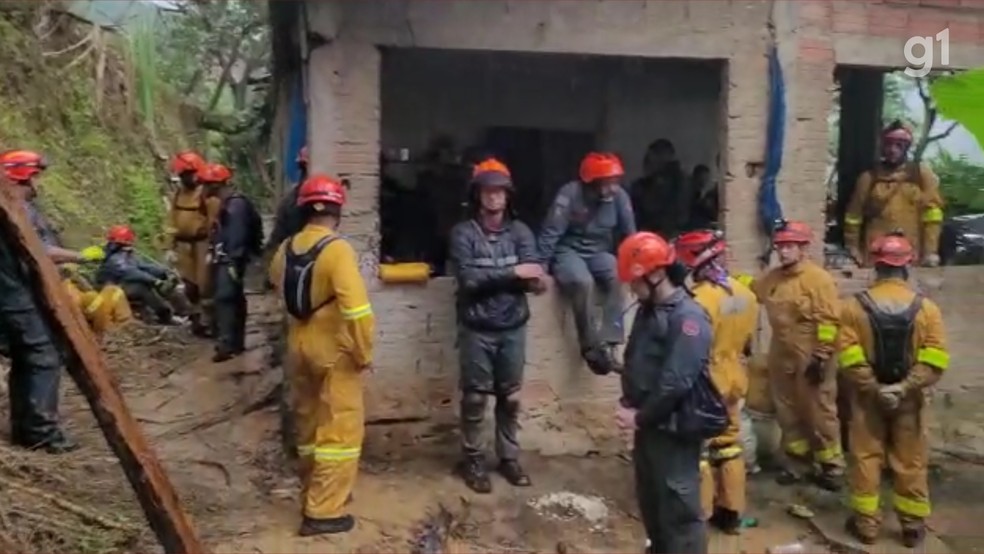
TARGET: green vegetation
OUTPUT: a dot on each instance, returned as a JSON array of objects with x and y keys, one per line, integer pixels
[{"x": 75, "y": 104}]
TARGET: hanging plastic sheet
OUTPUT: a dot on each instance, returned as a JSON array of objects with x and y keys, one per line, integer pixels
[{"x": 769, "y": 208}]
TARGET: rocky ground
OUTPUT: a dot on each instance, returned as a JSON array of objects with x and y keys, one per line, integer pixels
[{"x": 215, "y": 428}]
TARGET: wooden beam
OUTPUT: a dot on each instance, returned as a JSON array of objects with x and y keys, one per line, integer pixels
[{"x": 88, "y": 368}]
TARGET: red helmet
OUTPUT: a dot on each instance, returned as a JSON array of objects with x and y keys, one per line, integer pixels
[
  {"x": 897, "y": 132},
  {"x": 121, "y": 234},
  {"x": 321, "y": 188},
  {"x": 892, "y": 249},
  {"x": 600, "y": 165},
  {"x": 795, "y": 232},
  {"x": 21, "y": 165},
  {"x": 187, "y": 161},
  {"x": 641, "y": 254},
  {"x": 214, "y": 174},
  {"x": 695, "y": 248},
  {"x": 302, "y": 156},
  {"x": 492, "y": 172}
]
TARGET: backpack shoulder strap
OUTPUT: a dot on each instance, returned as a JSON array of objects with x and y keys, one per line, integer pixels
[{"x": 913, "y": 172}]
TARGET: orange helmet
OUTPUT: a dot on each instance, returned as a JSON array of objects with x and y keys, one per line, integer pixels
[
  {"x": 214, "y": 174},
  {"x": 121, "y": 234},
  {"x": 20, "y": 165},
  {"x": 320, "y": 188},
  {"x": 493, "y": 173},
  {"x": 600, "y": 165},
  {"x": 641, "y": 254},
  {"x": 795, "y": 232},
  {"x": 897, "y": 132},
  {"x": 892, "y": 249},
  {"x": 695, "y": 248},
  {"x": 302, "y": 156},
  {"x": 187, "y": 161}
]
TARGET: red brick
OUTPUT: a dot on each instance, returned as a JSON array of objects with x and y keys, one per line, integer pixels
[
  {"x": 941, "y": 3},
  {"x": 815, "y": 12},
  {"x": 852, "y": 18},
  {"x": 815, "y": 51},
  {"x": 965, "y": 31},
  {"x": 920, "y": 26},
  {"x": 887, "y": 21}
]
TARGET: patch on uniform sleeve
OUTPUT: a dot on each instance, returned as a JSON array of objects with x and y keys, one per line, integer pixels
[{"x": 690, "y": 328}]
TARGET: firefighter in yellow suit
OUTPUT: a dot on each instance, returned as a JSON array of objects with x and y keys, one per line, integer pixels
[
  {"x": 891, "y": 347},
  {"x": 733, "y": 310},
  {"x": 329, "y": 347},
  {"x": 898, "y": 194},
  {"x": 802, "y": 302},
  {"x": 188, "y": 225},
  {"x": 103, "y": 309}
]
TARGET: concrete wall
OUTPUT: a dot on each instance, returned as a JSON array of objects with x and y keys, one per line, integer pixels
[
  {"x": 625, "y": 102},
  {"x": 416, "y": 358}
]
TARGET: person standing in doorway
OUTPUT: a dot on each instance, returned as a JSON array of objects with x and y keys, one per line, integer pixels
[
  {"x": 661, "y": 197},
  {"x": 329, "y": 349},
  {"x": 891, "y": 349},
  {"x": 588, "y": 218},
  {"x": 802, "y": 303},
  {"x": 236, "y": 237},
  {"x": 496, "y": 264}
]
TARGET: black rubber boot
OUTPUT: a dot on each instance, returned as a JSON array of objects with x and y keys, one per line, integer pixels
[
  {"x": 58, "y": 444},
  {"x": 913, "y": 536},
  {"x": 475, "y": 475},
  {"x": 333, "y": 526},
  {"x": 726, "y": 521},
  {"x": 600, "y": 360},
  {"x": 852, "y": 528},
  {"x": 223, "y": 354},
  {"x": 829, "y": 478},
  {"x": 513, "y": 473}
]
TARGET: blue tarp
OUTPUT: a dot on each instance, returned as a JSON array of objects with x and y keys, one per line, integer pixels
[
  {"x": 296, "y": 133},
  {"x": 769, "y": 208}
]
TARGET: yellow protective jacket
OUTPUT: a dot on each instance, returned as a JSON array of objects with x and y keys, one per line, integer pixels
[
  {"x": 855, "y": 343},
  {"x": 192, "y": 215},
  {"x": 907, "y": 198},
  {"x": 803, "y": 307},
  {"x": 734, "y": 318},
  {"x": 344, "y": 326}
]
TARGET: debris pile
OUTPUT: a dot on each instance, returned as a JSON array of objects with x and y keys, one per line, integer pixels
[{"x": 568, "y": 506}]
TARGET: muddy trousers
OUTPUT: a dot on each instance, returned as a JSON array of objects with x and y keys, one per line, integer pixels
[
  {"x": 899, "y": 437},
  {"x": 492, "y": 363},
  {"x": 229, "y": 307},
  {"x": 667, "y": 476},
  {"x": 34, "y": 378},
  {"x": 806, "y": 413},
  {"x": 578, "y": 275},
  {"x": 193, "y": 268},
  {"x": 145, "y": 296},
  {"x": 330, "y": 417}
]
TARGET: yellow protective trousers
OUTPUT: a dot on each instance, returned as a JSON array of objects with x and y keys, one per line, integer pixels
[
  {"x": 106, "y": 309},
  {"x": 900, "y": 438},
  {"x": 329, "y": 416},
  {"x": 192, "y": 266},
  {"x": 806, "y": 413}
]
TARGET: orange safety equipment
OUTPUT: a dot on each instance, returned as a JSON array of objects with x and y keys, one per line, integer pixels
[
  {"x": 600, "y": 165},
  {"x": 302, "y": 156},
  {"x": 897, "y": 133},
  {"x": 214, "y": 174},
  {"x": 187, "y": 161},
  {"x": 695, "y": 248},
  {"x": 121, "y": 234},
  {"x": 641, "y": 254},
  {"x": 21, "y": 165},
  {"x": 892, "y": 249},
  {"x": 321, "y": 188},
  {"x": 795, "y": 232},
  {"x": 492, "y": 172}
]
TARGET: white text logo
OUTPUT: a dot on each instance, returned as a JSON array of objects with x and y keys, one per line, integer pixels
[{"x": 921, "y": 63}]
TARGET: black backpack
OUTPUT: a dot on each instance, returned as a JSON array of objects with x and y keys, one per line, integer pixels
[
  {"x": 298, "y": 276},
  {"x": 255, "y": 234}
]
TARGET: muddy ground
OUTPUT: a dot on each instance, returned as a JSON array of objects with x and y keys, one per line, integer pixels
[{"x": 215, "y": 428}]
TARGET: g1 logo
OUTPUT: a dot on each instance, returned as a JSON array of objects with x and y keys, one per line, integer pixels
[{"x": 920, "y": 65}]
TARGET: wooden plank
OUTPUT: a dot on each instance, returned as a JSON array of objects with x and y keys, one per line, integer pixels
[{"x": 88, "y": 368}]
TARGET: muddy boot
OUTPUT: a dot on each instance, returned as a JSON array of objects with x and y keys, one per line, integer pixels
[
  {"x": 787, "y": 477},
  {"x": 59, "y": 444},
  {"x": 829, "y": 478},
  {"x": 311, "y": 527},
  {"x": 223, "y": 354},
  {"x": 198, "y": 328},
  {"x": 475, "y": 475},
  {"x": 913, "y": 534},
  {"x": 600, "y": 361},
  {"x": 727, "y": 521},
  {"x": 513, "y": 473},
  {"x": 864, "y": 533}
]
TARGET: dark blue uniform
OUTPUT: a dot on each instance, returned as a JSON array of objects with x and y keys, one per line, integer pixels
[
  {"x": 231, "y": 248},
  {"x": 666, "y": 361},
  {"x": 578, "y": 239},
  {"x": 141, "y": 281}
]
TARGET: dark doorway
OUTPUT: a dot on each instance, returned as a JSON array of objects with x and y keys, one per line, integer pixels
[{"x": 541, "y": 161}]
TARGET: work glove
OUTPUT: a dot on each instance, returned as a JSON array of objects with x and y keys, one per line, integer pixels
[
  {"x": 233, "y": 273},
  {"x": 162, "y": 286},
  {"x": 931, "y": 260},
  {"x": 93, "y": 254},
  {"x": 815, "y": 371},
  {"x": 171, "y": 257},
  {"x": 890, "y": 396}
]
